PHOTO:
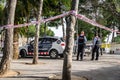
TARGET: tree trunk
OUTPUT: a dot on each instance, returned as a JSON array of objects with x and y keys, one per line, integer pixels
[
  {"x": 45, "y": 27},
  {"x": 63, "y": 28},
  {"x": 35, "y": 57},
  {"x": 71, "y": 20},
  {"x": 2, "y": 38},
  {"x": 8, "y": 43},
  {"x": 15, "y": 44},
  {"x": 27, "y": 29},
  {"x": 113, "y": 34}
]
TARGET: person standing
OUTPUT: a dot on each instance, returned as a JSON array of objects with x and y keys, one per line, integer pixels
[
  {"x": 81, "y": 45},
  {"x": 96, "y": 47}
]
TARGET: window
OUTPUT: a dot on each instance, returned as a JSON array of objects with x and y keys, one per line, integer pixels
[
  {"x": 53, "y": 39},
  {"x": 46, "y": 40}
]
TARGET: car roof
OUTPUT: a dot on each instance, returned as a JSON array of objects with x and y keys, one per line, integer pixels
[{"x": 50, "y": 37}]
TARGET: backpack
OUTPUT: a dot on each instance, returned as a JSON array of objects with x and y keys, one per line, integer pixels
[{"x": 81, "y": 40}]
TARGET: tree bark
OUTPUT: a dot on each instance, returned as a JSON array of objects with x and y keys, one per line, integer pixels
[
  {"x": 8, "y": 43},
  {"x": 35, "y": 57},
  {"x": 63, "y": 28},
  {"x": 15, "y": 44},
  {"x": 71, "y": 20}
]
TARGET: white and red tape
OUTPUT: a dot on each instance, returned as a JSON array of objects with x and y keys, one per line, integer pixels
[{"x": 79, "y": 16}]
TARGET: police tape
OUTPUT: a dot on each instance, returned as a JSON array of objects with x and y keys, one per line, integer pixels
[
  {"x": 19, "y": 25},
  {"x": 92, "y": 22},
  {"x": 59, "y": 16},
  {"x": 36, "y": 22},
  {"x": 73, "y": 12}
]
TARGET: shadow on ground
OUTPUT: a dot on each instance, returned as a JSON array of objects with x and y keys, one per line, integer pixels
[{"x": 109, "y": 73}]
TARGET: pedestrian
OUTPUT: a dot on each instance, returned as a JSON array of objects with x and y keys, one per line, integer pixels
[
  {"x": 96, "y": 47},
  {"x": 81, "y": 45}
]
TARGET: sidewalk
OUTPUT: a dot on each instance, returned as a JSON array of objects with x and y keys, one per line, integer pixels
[{"x": 107, "y": 68}]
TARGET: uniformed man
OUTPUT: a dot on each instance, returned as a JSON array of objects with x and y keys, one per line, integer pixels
[
  {"x": 81, "y": 45},
  {"x": 96, "y": 47}
]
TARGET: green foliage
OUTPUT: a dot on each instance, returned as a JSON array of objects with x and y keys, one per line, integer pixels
[
  {"x": 87, "y": 28},
  {"x": 31, "y": 31},
  {"x": 50, "y": 33},
  {"x": 27, "y": 9},
  {"x": 117, "y": 4},
  {"x": 43, "y": 32},
  {"x": 2, "y": 6},
  {"x": 50, "y": 8},
  {"x": 54, "y": 7},
  {"x": 1, "y": 14},
  {"x": 117, "y": 39},
  {"x": 105, "y": 13}
]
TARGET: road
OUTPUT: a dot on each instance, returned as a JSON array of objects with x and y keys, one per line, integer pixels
[{"x": 106, "y": 68}]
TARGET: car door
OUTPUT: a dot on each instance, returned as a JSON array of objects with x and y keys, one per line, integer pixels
[
  {"x": 45, "y": 45},
  {"x": 31, "y": 46}
]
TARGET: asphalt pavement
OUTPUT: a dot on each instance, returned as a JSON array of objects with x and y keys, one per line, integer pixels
[{"x": 106, "y": 68}]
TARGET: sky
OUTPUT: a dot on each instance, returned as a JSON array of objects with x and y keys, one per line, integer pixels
[{"x": 57, "y": 31}]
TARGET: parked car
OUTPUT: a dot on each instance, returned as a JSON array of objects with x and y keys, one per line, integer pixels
[{"x": 48, "y": 46}]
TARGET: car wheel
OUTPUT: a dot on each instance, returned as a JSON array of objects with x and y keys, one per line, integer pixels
[
  {"x": 53, "y": 54},
  {"x": 23, "y": 53},
  {"x": 61, "y": 56}
]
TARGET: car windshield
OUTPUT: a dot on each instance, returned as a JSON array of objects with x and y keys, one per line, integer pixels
[{"x": 32, "y": 42}]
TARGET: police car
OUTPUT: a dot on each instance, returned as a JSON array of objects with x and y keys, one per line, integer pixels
[{"x": 47, "y": 46}]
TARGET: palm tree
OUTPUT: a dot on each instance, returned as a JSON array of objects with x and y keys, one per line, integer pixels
[
  {"x": 26, "y": 10},
  {"x": 8, "y": 43},
  {"x": 71, "y": 20},
  {"x": 62, "y": 19},
  {"x": 22, "y": 13},
  {"x": 63, "y": 7},
  {"x": 35, "y": 57}
]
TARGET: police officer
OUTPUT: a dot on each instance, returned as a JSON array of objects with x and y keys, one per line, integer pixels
[
  {"x": 81, "y": 45},
  {"x": 96, "y": 47}
]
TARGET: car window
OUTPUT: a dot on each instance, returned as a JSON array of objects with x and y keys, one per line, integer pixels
[
  {"x": 40, "y": 39},
  {"x": 32, "y": 42},
  {"x": 46, "y": 40},
  {"x": 62, "y": 39},
  {"x": 53, "y": 39}
]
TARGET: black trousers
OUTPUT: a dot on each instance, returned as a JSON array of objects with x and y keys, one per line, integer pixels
[
  {"x": 95, "y": 50},
  {"x": 80, "y": 52}
]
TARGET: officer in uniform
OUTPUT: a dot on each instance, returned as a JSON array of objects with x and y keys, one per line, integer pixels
[
  {"x": 96, "y": 47},
  {"x": 81, "y": 45}
]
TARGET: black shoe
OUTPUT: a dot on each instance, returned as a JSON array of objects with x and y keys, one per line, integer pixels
[
  {"x": 96, "y": 59},
  {"x": 92, "y": 59}
]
